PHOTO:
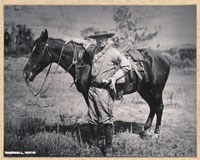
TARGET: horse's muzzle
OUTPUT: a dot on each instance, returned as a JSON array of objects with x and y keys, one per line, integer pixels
[{"x": 28, "y": 77}]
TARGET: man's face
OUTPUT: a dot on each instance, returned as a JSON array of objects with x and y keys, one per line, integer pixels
[{"x": 102, "y": 41}]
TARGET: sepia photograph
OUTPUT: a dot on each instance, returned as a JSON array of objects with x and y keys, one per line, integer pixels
[{"x": 100, "y": 81}]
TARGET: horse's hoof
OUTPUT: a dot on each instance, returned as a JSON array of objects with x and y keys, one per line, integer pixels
[
  {"x": 155, "y": 136},
  {"x": 145, "y": 134}
]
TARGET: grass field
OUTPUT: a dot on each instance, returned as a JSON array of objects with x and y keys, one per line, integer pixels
[{"x": 21, "y": 110}]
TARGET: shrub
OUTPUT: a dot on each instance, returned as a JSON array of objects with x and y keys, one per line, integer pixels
[{"x": 182, "y": 57}]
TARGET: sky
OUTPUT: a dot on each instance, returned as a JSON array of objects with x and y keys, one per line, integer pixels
[{"x": 178, "y": 23}]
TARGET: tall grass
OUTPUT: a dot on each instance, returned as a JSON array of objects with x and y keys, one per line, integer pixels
[{"x": 25, "y": 132}]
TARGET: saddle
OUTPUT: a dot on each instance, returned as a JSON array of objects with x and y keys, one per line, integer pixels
[
  {"x": 134, "y": 56},
  {"x": 137, "y": 73}
]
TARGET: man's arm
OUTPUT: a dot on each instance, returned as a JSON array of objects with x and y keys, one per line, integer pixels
[{"x": 125, "y": 66}]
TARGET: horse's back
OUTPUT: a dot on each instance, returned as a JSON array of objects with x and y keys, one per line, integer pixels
[{"x": 155, "y": 57}]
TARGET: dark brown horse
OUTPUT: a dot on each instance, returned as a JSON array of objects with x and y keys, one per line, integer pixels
[{"x": 77, "y": 61}]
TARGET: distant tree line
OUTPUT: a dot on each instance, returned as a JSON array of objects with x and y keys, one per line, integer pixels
[
  {"x": 18, "y": 40},
  {"x": 182, "y": 57},
  {"x": 131, "y": 31}
]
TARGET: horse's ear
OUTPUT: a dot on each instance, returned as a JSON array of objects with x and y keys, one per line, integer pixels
[
  {"x": 46, "y": 32},
  {"x": 44, "y": 36}
]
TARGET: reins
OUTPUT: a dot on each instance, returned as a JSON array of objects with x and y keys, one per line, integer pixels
[
  {"x": 41, "y": 88},
  {"x": 74, "y": 62}
]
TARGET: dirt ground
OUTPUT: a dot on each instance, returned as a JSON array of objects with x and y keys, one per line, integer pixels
[{"x": 178, "y": 132}]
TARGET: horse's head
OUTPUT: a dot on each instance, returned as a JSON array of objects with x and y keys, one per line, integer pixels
[{"x": 39, "y": 59}]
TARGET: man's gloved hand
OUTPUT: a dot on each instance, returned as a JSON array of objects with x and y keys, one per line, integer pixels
[{"x": 111, "y": 82}]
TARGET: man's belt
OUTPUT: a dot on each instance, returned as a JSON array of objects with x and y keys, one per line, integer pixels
[{"x": 99, "y": 85}]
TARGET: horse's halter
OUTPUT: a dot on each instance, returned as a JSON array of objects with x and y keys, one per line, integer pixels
[
  {"x": 41, "y": 88},
  {"x": 74, "y": 61}
]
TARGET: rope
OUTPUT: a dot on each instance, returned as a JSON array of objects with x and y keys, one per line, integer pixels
[{"x": 63, "y": 47}]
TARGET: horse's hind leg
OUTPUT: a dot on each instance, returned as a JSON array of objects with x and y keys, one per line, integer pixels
[
  {"x": 156, "y": 107},
  {"x": 159, "y": 111},
  {"x": 149, "y": 119}
]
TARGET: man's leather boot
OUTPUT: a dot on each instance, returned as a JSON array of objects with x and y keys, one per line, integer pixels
[
  {"x": 94, "y": 138},
  {"x": 108, "y": 129}
]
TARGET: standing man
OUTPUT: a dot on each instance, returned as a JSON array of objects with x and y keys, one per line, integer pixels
[{"x": 109, "y": 66}]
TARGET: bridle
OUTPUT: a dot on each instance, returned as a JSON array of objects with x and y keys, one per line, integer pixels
[
  {"x": 74, "y": 62},
  {"x": 40, "y": 91}
]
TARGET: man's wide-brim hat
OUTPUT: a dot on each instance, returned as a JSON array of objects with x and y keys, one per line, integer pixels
[{"x": 99, "y": 34}]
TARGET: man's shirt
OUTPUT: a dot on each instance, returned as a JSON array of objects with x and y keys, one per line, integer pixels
[{"x": 107, "y": 62}]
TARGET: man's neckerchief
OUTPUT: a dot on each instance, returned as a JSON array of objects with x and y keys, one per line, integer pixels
[{"x": 100, "y": 54}]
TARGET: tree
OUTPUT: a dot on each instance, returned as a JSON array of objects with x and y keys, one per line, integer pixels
[
  {"x": 25, "y": 35},
  {"x": 130, "y": 28},
  {"x": 20, "y": 40}
]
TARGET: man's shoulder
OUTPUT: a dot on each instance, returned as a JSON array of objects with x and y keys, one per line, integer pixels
[{"x": 112, "y": 49}]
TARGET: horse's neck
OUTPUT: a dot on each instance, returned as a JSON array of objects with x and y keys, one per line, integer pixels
[{"x": 62, "y": 54}]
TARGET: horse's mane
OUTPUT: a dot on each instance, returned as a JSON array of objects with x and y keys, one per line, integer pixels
[
  {"x": 92, "y": 50},
  {"x": 89, "y": 52},
  {"x": 63, "y": 41},
  {"x": 57, "y": 39}
]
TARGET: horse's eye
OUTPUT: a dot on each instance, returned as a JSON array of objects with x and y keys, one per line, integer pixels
[{"x": 36, "y": 50}]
